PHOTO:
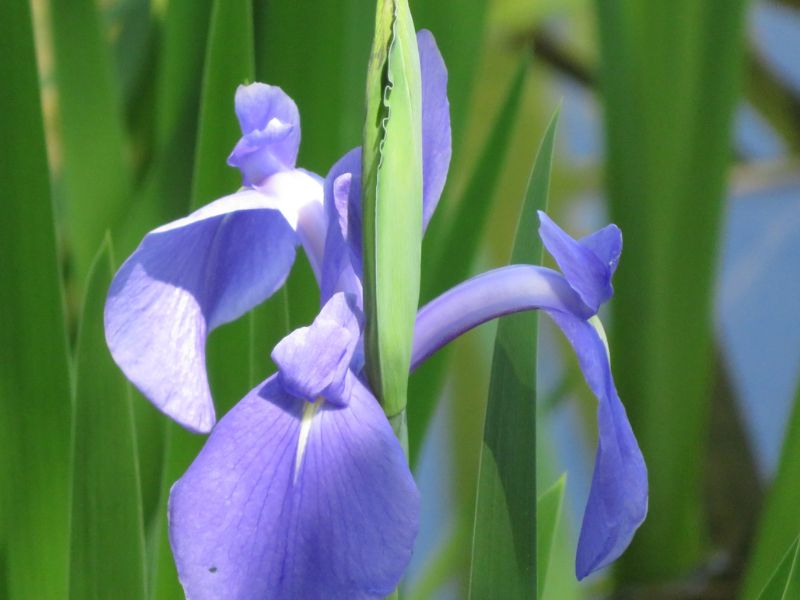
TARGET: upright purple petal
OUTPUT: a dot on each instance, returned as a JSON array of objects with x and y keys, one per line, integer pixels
[
  {"x": 270, "y": 126},
  {"x": 588, "y": 272},
  {"x": 315, "y": 360},
  {"x": 606, "y": 244},
  {"x": 617, "y": 502},
  {"x": 436, "y": 142},
  {"x": 341, "y": 270},
  {"x": 292, "y": 500},
  {"x": 185, "y": 279}
]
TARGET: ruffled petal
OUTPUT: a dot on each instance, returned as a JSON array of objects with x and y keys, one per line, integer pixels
[
  {"x": 314, "y": 361},
  {"x": 253, "y": 517},
  {"x": 617, "y": 502},
  {"x": 436, "y": 142},
  {"x": 185, "y": 279},
  {"x": 587, "y": 272},
  {"x": 270, "y": 126}
]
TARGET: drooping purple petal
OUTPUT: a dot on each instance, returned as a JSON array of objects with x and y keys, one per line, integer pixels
[
  {"x": 270, "y": 126},
  {"x": 185, "y": 279},
  {"x": 587, "y": 264},
  {"x": 314, "y": 361},
  {"x": 255, "y": 518},
  {"x": 617, "y": 502},
  {"x": 436, "y": 142}
]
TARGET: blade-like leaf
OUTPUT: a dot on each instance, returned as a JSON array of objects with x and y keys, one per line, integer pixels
[
  {"x": 97, "y": 181},
  {"x": 34, "y": 364},
  {"x": 780, "y": 518},
  {"x": 548, "y": 513},
  {"x": 461, "y": 241},
  {"x": 670, "y": 75},
  {"x": 107, "y": 542},
  {"x": 392, "y": 197},
  {"x": 785, "y": 581},
  {"x": 504, "y": 539}
]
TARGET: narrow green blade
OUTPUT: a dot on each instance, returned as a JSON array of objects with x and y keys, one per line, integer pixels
[
  {"x": 670, "y": 75},
  {"x": 548, "y": 514},
  {"x": 392, "y": 199},
  {"x": 96, "y": 176},
  {"x": 107, "y": 542},
  {"x": 457, "y": 251},
  {"x": 785, "y": 581},
  {"x": 35, "y": 406},
  {"x": 780, "y": 518},
  {"x": 504, "y": 539}
]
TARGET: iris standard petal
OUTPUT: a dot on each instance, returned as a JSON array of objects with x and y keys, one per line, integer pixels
[
  {"x": 254, "y": 519},
  {"x": 436, "y": 142},
  {"x": 185, "y": 279},
  {"x": 586, "y": 272},
  {"x": 314, "y": 360},
  {"x": 341, "y": 269},
  {"x": 617, "y": 502},
  {"x": 270, "y": 126}
]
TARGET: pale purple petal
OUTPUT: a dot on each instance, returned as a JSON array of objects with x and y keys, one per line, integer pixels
[
  {"x": 185, "y": 279},
  {"x": 270, "y": 126},
  {"x": 588, "y": 273},
  {"x": 248, "y": 520},
  {"x": 617, "y": 502},
  {"x": 314, "y": 361},
  {"x": 436, "y": 143}
]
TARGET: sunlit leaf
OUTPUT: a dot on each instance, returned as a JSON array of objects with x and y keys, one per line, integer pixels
[
  {"x": 785, "y": 581},
  {"x": 504, "y": 540},
  {"x": 548, "y": 514},
  {"x": 780, "y": 519},
  {"x": 35, "y": 407},
  {"x": 107, "y": 532}
]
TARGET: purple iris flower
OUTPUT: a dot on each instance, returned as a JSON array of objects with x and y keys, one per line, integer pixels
[{"x": 302, "y": 491}]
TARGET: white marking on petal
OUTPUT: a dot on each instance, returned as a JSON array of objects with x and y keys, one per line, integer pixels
[
  {"x": 598, "y": 327},
  {"x": 309, "y": 410}
]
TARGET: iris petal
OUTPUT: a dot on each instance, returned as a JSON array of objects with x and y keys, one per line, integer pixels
[
  {"x": 246, "y": 521},
  {"x": 617, "y": 502},
  {"x": 270, "y": 126},
  {"x": 436, "y": 142},
  {"x": 587, "y": 272},
  {"x": 185, "y": 279},
  {"x": 314, "y": 360}
]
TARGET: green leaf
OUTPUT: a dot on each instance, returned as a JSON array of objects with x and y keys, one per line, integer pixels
[
  {"x": 107, "y": 543},
  {"x": 392, "y": 200},
  {"x": 785, "y": 581},
  {"x": 780, "y": 518},
  {"x": 35, "y": 407},
  {"x": 229, "y": 63},
  {"x": 670, "y": 76},
  {"x": 454, "y": 245},
  {"x": 329, "y": 56},
  {"x": 96, "y": 172},
  {"x": 504, "y": 539},
  {"x": 548, "y": 513}
]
